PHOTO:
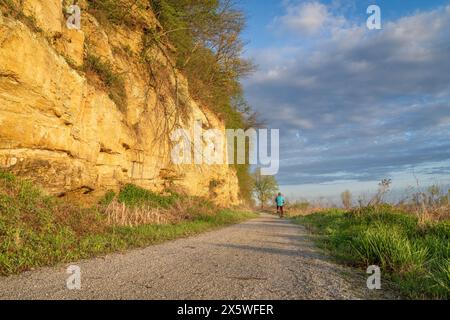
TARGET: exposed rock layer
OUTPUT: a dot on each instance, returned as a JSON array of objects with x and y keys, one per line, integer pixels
[{"x": 59, "y": 126}]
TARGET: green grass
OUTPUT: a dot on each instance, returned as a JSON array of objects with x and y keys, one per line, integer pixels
[
  {"x": 107, "y": 198},
  {"x": 414, "y": 257},
  {"x": 38, "y": 230},
  {"x": 134, "y": 196}
]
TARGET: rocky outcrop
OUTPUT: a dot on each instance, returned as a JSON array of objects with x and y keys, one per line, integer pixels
[{"x": 60, "y": 127}]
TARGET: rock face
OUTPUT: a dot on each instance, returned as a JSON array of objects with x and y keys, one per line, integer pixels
[{"x": 60, "y": 127}]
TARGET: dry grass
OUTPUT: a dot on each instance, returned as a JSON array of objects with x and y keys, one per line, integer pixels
[
  {"x": 118, "y": 214},
  {"x": 427, "y": 213},
  {"x": 431, "y": 205},
  {"x": 292, "y": 213},
  {"x": 121, "y": 213},
  {"x": 303, "y": 208}
]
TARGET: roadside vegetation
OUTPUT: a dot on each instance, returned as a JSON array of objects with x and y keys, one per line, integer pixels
[
  {"x": 409, "y": 241},
  {"x": 39, "y": 230}
]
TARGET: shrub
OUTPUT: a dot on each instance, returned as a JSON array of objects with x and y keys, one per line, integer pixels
[
  {"x": 116, "y": 12},
  {"x": 134, "y": 196},
  {"x": 113, "y": 81}
]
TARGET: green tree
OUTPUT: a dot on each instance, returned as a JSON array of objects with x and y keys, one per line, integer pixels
[
  {"x": 207, "y": 38},
  {"x": 264, "y": 187}
]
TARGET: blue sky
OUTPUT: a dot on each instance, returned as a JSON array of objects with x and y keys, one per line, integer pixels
[
  {"x": 261, "y": 13},
  {"x": 353, "y": 105}
]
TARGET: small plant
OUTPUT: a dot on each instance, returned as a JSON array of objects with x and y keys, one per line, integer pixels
[
  {"x": 7, "y": 177},
  {"x": 113, "y": 81},
  {"x": 383, "y": 189},
  {"x": 9, "y": 7},
  {"x": 117, "y": 12},
  {"x": 107, "y": 198},
  {"x": 71, "y": 62}
]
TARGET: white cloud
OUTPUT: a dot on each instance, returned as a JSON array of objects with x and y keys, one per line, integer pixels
[
  {"x": 308, "y": 18},
  {"x": 351, "y": 87},
  {"x": 286, "y": 113}
]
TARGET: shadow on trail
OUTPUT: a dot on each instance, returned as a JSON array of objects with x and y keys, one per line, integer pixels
[
  {"x": 275, "y": 251},
  {"x": 275, "y": 224}
]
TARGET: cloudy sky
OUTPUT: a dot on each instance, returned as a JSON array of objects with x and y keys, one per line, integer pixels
[{"x": 353, "y": 105}]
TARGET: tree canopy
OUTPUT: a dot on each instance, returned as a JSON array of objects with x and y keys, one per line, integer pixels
[{"x": 264, "y": 187}]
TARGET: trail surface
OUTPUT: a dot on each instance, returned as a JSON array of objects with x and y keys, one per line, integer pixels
[{"x": 265, "y": 258}]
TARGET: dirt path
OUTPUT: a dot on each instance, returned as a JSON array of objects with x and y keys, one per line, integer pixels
[{"x": 265, "y": 258}]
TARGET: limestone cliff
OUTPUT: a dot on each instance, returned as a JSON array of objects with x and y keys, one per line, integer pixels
[{"x": 62, "y": 128}]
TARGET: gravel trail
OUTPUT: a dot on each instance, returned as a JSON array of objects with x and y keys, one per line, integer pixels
[{"x": 265, "y": 258}]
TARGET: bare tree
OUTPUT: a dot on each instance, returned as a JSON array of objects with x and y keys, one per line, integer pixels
[
  {"x": 383, "y": 188},
  {"x": 346, "y": 197},
  {"x": 434, "y": 195}
]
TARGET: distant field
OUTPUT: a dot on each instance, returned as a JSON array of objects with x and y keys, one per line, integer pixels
[{"x": 414, "y": 256}]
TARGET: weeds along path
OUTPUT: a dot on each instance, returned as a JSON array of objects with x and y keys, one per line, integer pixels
[{"x": 265, "y": 258}]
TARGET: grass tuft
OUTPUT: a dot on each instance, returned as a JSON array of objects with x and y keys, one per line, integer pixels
[
  {"x": 391, "y": 249},
  {"x": 134, "y": 196}
]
